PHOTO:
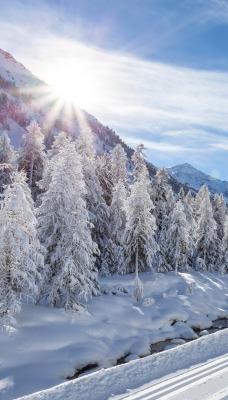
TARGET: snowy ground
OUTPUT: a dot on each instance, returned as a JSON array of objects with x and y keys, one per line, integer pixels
[
  {"x": 190, "y": 372},
  {"x": 47, "y": 345}
]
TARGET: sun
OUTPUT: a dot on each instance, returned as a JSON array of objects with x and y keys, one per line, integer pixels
[
  {"x": 73, "y": 86},
  {"x": 77, "y": 83}
]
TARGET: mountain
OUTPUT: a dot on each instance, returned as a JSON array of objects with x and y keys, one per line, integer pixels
[
  {"x": 24, "y": 97},
  {"x": 15, "y": 73},
  {"x": 194, "y": 179}
]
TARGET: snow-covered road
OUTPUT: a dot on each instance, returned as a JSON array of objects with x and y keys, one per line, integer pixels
[{"x": 207, "y": 381}]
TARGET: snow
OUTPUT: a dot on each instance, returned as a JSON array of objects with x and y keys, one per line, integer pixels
[
  {"x": 194, "y": 179},
  {"x": 15, "y": 132},
  {"x": 45, "y": 345},
  {"x": 13, "y": 71},
  {"x": 166, "y": 375}
]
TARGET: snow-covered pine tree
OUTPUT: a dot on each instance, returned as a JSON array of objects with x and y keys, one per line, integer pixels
[
  {"x": 160, "y": 195},
  {"x": 208, "y": 244},
  {"x": 119, "y": 166},
  {"x": 32, "y": 157},
  {"x": 113, "y": 176},
  {"x": 65, "y": 231},
  {"x": 198, "y": 201},
  {"x": 7, "y": 156},
  {"x": 6, "y": 150},
  {"x": 224, "y": 258},
  {"x": 181, "y": 194},
  {"x": 114, "y": 258},
  {"x": 219, "y": 212},
  {"x": 140, "y": 171},
  {"x": 189, "y": 200},
  {"x": 21, "y": 255},
  {"x": 178, "y": 240},
  {"x": 188, "y": 203},
  {"x": 163, "y": 200},
  {"x": 118, "y": 212},
  {"x": 139, "y": 236},
  {"x": 96, "y": 205},
  {"x": 59, "y": 143},
  {"x": 104, "y": 174},
  {"x": 138, "y": 285}
]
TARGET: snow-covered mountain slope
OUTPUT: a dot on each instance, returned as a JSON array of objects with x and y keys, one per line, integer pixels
[
  {"x": 14, "y": 72},
  {"x": 24, "y": 97},
  {"x": 194, "y": 179}
]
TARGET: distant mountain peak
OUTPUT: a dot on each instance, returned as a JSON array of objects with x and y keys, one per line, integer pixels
[{"x": 194, "y": 179}]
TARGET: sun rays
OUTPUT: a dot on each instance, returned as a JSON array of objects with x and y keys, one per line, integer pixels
[{"x": 57, "y": 111}]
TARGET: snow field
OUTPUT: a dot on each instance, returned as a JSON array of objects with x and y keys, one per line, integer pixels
[
  {"x": 46, "y": 344},
  {"x": 105, "y": 384}
]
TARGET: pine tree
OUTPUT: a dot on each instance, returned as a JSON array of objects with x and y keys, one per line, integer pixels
[
  {"x": 140, "y": 169},
  {"x": 138, "y": 285},
  {"x": 119, "y": 165},
  {"x": 224, "y": 258},
  {"x": 198, "y": 201},
  {"x": 113, "y": 261},
  {"x": 21, "y": 255},
  {"x": 160, "y": 195},
  {"x": 178, "y": 240},
  {"x": 65, "y": 232},
  {"x": 219, "y": 212},
  {"x": 97, "y": 208},
  {"x": 208, "y": 245},
  {"x": 32, "y": 157},
  {"x": 104, "y": 174},
  {"x": 181, "y": 194},
  {"x": 59, "y": 143},
  {"x": 188, "y": 204},
  {"x": 163, "y": 200},
  {"x": 139, "y": 236},
  {"x": 118, "y": 212},
  {"x": 7, "y": 156}
]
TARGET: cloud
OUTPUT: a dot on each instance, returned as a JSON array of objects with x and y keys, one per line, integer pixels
[
  {"x": 214, "y": 11},
  {"x": 175, "y": 111},
  {"x": 183, "y": 142},
  {"x": 154, "y": 145}
]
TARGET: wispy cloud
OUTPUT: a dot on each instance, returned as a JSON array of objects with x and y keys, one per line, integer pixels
[
  {"x": 177, "y": 112},
  {"x": 214, "y": 11}
]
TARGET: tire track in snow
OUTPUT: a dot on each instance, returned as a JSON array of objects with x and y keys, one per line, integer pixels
[{"x": 182, "y": 382}]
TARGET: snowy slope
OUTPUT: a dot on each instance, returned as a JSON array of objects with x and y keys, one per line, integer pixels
[
  {"x": 44, "y": 107},
  {"x": 13, "y": 71},
  {"x": 194, "y": 179},
  {"x": 46, "y": 344},
  {"x": 33, "y": 99},
  {"x": 178, "y": 374}
]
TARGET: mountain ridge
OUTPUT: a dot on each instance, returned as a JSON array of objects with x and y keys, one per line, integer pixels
[
  {"x": 193, "y": 178},
  {"x": 21, "y": 100}
]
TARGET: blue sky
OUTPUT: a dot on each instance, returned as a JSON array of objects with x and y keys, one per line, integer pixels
[{"x": 156, "y": 71}]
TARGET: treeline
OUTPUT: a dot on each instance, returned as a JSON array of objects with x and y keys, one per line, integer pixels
[{"x": 68, "y": 215}]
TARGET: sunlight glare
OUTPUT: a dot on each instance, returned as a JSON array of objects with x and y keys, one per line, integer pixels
[{"x": 77, "y": 83}]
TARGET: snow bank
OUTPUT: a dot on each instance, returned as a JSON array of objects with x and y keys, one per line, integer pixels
[
  {"x": 102, "y": 384},
  {"x": 46, "y": 345}
]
